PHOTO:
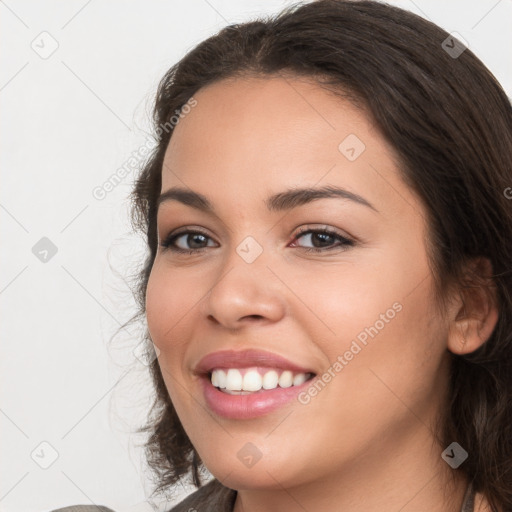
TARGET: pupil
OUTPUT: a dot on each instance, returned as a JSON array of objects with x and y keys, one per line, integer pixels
[
  {"x": 192, "y": 237},
  {"x": 324, "y": 236}
]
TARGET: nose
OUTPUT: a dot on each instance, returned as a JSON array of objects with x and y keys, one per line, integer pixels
[{"x": 244, "y": 293}]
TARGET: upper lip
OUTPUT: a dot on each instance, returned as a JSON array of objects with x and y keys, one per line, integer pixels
[{"x": 246, "y": 359}]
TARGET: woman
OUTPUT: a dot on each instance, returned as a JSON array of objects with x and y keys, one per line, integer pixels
[{"x": 329, "y": 226}]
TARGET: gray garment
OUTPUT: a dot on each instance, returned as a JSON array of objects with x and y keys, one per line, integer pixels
[
  {"x": 84, "y": 508},
  {"x": 223, "y": 500},
  {"x": 214, "y": 497},
  {"x": 468, "y": 505}
]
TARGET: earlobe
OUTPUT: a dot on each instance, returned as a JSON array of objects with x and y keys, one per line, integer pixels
[{"x": 477, "y": 314}]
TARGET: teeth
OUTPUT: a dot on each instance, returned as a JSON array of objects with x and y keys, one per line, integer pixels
[
  {"x": 252, "y": 381},
  {"x": 270, "y": 380},
  {"x": 219, "y": 379},
  {"x": 299, "y": 379},
  {"x": 233, "y": 380},
  {"x": 286, "y": 379}
]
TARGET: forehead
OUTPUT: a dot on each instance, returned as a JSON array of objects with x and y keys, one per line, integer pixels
[{"x": 247, "y": 135}]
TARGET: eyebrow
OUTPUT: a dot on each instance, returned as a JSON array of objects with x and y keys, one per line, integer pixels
[{"x": 281, "y": 201}]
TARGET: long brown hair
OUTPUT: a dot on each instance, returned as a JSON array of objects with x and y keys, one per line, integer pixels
[{"x": 450, "y": 123}]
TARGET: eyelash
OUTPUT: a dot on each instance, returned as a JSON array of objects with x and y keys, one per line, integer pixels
[{"x": 167, "y": 244}]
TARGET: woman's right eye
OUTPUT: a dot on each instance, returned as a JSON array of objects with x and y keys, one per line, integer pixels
[{"x": 193, "y": 238}]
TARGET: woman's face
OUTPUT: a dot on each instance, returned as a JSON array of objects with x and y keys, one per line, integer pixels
[{"x": 358, "y": 314}]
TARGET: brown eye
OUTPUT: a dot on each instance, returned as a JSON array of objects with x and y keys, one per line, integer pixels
[
  {"x": 193, "y": 241},
  {"x": 323, "y": 240}
]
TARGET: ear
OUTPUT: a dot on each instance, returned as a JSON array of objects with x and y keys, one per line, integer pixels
[{"x": 475, "y": 312}]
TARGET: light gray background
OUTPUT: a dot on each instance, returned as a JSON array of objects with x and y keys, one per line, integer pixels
[{"x": 68, "y": 122}]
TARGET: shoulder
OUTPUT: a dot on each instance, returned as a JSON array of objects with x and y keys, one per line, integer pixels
[
  {"x": 212, "y": 497},
  {"x": 83, "y": 508}
]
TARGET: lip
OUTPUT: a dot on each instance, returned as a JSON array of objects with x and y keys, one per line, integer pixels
[
  {"x": 245, "y": 407},
  {"x": 246, "y": 359},
  {"x": 255, "y": 404}
]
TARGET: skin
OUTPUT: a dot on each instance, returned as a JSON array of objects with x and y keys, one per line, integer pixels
[{"x": 367, "y": 438}]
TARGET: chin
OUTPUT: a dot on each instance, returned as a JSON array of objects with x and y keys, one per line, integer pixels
[
  {"x": 242, "y": 479},
  {"x": 234, "y": 468}
]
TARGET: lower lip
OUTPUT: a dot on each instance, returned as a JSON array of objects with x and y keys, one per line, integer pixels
[{"x": 254, "y": 405}]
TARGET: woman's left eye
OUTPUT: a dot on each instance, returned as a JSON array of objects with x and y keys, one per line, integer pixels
[
  {"x": 323, "y": 236},
  {"x": 322, "y": 240}
]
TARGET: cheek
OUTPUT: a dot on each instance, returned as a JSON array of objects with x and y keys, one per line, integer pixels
[
  {"x": 342, "y": 304},
  {"x": 158, "y": 304},
  {"x": 400, "y": 354},
  {"x": 164, "y": 308},
  {"x": 169, "y": 296},
  {"x": 166, "y": 304},
  {"x": 382, "y": 321}
]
